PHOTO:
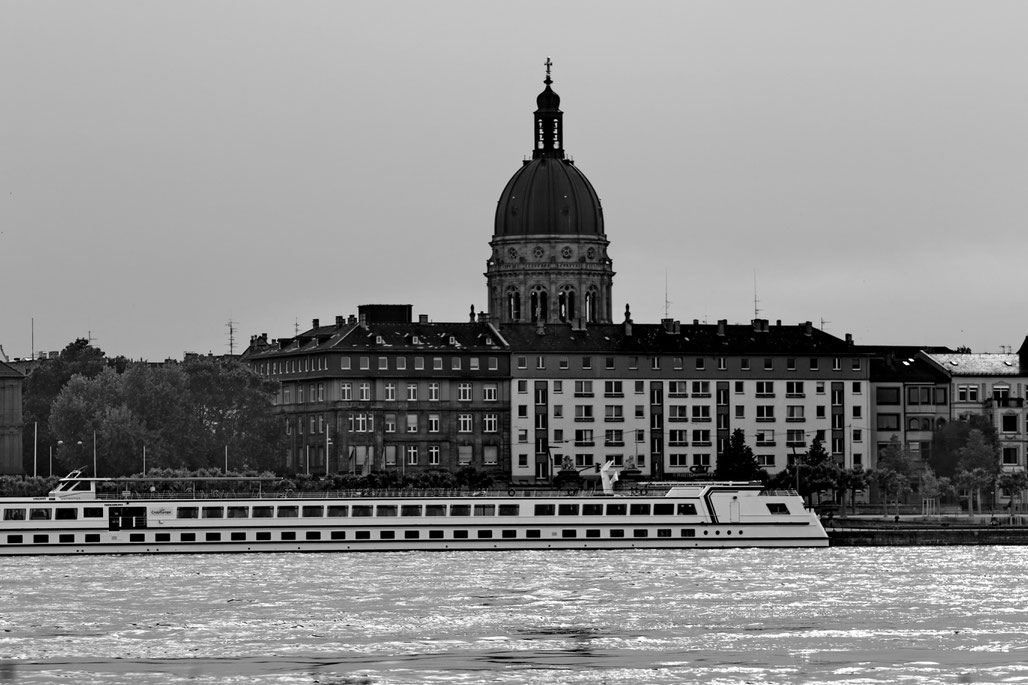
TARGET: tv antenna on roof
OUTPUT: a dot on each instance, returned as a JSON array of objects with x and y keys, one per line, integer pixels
[
  {"x": 756, "y": 308},
  {"x": 667, "y": 302}
]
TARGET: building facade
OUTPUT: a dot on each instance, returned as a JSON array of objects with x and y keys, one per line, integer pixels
[{"x": 11, "y": 422}]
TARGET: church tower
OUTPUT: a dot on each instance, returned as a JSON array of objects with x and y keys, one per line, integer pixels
[{"x": 549, "y": 259}]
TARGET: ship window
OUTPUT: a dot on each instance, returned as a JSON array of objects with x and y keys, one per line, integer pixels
[
  {"x": 592, "y": 533},
  {"x": 460, "y": 535},
  {"x": 533, "y": 534},
  {"x": 66, "y": 537},
  {"x": 617, "y": 533},
  {"x": 213, "y": 537},
  {"x": 361, "y": 510},
  {"x": 640, "y": 533},
  {"x": 545, "y": 509},
  {"x": 592, "y": 510},
  {"x": 264, "y": 536},
  {"x": 777, "y": 508},
  {"x": 410, "y": 510},
  {"x": 640, "y": 510},
  {"x": 16, "y": 539},
  {"x": 214, "y": 512},
  {"x": 158, "y": 537},
  {"x": 238, "y": 537},
  {"x": 460, "y": 510},
  {"x": 187, "y": 513},
  {"x": 93, "y": 512},
  {"x": 338, "y": 534},
  {"x": 39, "y": 514},
  {"x": 288, "y": 512},
  {"x": 386, "y": 510},
  {"x": 567, "y": 509},
  {"x": 362, "y": 535},
  {"x": 136, "y": 537},
  {"x": 687, "y": 509},
  {"x": 238, "y": 512},
  {"x": 263, "y": 512},
  {"x": 66, "y": 514},
  {"x": 188, "y": 537},
  {"x": 485, "y": 534},
  {"x": 688, "y": 533},
  {"x": 40, "y": 538},
  {"x": 510, "y": 510},
  {"x": 313, "y": 535},
  {"x": 569, "y": 533},
  {"x": 337, "y": 510},
  {"x": 288, "y": 535},
  {"x": 313, "y": 512},
  {"x": 509, "y": 533},
  {"x": 617, "y": 509},
  {"x": 663, "y": 532},
  {"x": 435, "y": 534},
  {"x": 485, "y": 510},
  {"x": 663, "y": 509},
  {"x": 14, "y": 514},
  {"x": 92, "y": 537},
  {"x": 435, "y": 510}
]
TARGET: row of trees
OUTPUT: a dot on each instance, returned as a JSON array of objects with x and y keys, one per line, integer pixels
[
  {"x": 184, "y": 415},
  {"x": 966, "y": 452}
]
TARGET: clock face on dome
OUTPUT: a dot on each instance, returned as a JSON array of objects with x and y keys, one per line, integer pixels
[
  {"x": 538, "y": 252},
  {"x": 566, "y": 253},
  {"x": 591, "y": 253},
  {"x": 512, "y": 253}
]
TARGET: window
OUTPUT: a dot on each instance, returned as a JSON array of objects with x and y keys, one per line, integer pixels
[
  {"x": 794, "y": 389},
  {"x": 401, "y": 363},
  {"x": 701, "y": 413},
  {"x": 858, "y": 435},
  {"x": 489, "y": 393},
  {"x": 583, "y": 388},
  {"x": 655, "y": 363},
  {"x": 563, "y": 363},
  {"x": 857, "y": 412},
  {"x": 613, "y": 389},
  {"x": 765, "y": 412},
  {"x": 390, "y": 423},
  {"x": 490, "y": 423},
  {"x": 383, "y": 363},
  {"x": 740, "y": 411},
  {"x": 887, "y": 395},
  {"x": 412, "y": 423},
  {"x": 522, "y": 411},
  {"x": 433, "y": 455},
  {"x": 1010, "y": 456},
  {"x": 678, "y": 437},
  {"x": 888, "y": 422},
  {"x": 587, "y": 362},
  {"x": 614, "y": 412},
  {"x": 744, "y": 364},
  {"x": 700, "y": 363},
  {"x": 795, "y": 438},
  {"x": 1008, "y": 423},
  {"x": 390, "y": 392},
  {"x": 722, "y": 363},
  {"x": 558, "y": 411},
  {"x": 464, "y": 392},
  {"x": 433, "y": 423},
  {"x": 722, "y": 397},
  {"x": 765, "y": 438},
  {"x": 412, "y": 392},
  {"x": 769, "y": 364},
  {"x": 412, "y": 455},
  {"x": 678, "y": 412},
  {"x": 365, "y": 363},
  {"x": 766, "y": 460},
  {"x": 419, "y": 362},
  {"x": 701, "y": 437},
  {"x": 836, "y": 364},
  {"x": 701, "y": 388},
  {"x": 857, "y": 387},
  {"x": 433, "y": 392},
  {"x": 678, "y": 389},
  {"x": 583, "y": 412},
  {"x": 345, "y": 391},
  {"x": 455, "y": 362},
  {"x": 794, "y": 412},
  {"x": 583, "y": 437},
  {"x": 364, "y": 392},
  {"x": 856, "y": 365},
  {"x": 765, "y": 389},
  {"x": 522, "y": 387},
  {"x": 464, "y": 423},
  {"x": 609, "y": 363},
  {"x": 344, "y": 363}
]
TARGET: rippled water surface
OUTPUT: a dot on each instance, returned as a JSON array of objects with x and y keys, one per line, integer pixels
[{"x": 850, "y": 615}]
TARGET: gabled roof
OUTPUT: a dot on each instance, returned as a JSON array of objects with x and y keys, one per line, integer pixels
[
  {"x": 8, "y": 371},
  {"x": 981, "y": 364}
]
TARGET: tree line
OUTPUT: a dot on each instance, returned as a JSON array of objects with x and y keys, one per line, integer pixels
[{"x": 180, "y": 414}]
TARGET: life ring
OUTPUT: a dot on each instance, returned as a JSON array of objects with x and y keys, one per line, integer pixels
[
  {"x": 572, "y": 492},
  {"x": 643, "y": 492},
  {"x": 512, "y": 492}
]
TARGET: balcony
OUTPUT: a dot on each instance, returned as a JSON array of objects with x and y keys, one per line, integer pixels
[{"x": 1005, "y": 402}]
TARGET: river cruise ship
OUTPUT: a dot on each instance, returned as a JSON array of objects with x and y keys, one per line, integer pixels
[{"x": 76, "y": 517}]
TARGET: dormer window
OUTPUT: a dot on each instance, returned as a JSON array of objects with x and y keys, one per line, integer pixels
[
  {"x": 453, "y": 340},
  {"x": 416, "y": 340},
  {"x": 379, "y": 340}
]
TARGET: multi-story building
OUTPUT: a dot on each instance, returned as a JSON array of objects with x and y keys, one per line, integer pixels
[
  {"x": 993, "y": 385},
  {"x": 11, "y": 421},
  {"x": 664, "y": 398},
  {"x": 382, "y": 392}
]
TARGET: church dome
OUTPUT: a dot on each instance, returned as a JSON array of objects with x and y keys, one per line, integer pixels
[{"x": 549, "y": 196}]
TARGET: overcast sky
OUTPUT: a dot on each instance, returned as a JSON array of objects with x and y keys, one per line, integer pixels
[{"x": 168, "y": 167}]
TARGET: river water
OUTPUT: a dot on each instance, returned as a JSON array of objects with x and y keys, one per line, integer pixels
[{"x": 846, "y": 615}]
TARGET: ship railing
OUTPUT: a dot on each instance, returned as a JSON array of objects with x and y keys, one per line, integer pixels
[
  {"x": 379, "y": 493},
  {"x": 788, "y": 492}
]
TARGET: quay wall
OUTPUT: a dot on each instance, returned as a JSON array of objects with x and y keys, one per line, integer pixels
[{"x": 911, "y": 532}]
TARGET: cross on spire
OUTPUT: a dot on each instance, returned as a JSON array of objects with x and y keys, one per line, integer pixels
[{"x": 549, "y": 63}]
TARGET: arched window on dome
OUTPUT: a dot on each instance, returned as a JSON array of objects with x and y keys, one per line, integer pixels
[
  {"x": 513, "y": 305},
  {"x": 566, "y": 304},
  {"x": 540, "y": 304},
  {"x": 590, "y": 306}
]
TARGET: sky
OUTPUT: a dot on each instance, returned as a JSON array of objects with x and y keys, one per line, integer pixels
[{"x": 169, "y": 167}]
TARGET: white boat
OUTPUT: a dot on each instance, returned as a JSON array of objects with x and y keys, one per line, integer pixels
[{"x": 75, "y": 518}]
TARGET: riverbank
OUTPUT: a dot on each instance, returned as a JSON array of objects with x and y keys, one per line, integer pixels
[{"x": 926, "y": 531}]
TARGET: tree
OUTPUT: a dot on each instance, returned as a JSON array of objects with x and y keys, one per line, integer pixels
[
  {"x": 850, "y": 481},
  {"x": 894, "y": 471},
  {"x": 1015, "y": 483},
  {"x": 949, "y": 439},
  {"x": 817, "y": 471},
  {"x": 978, "y": 464},
  {"x": 738, "y": 462}
]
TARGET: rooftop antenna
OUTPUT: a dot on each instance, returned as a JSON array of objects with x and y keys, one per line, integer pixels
[
  {"x": 756, "y": 308},
  {"x": 667, "y": 302},
  {"x": 231, "y": 336},
  {"x": 823, "y": 322},
  {"x": 296, "y": 327}
]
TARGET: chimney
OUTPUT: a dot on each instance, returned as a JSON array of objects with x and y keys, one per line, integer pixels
[
  {"x": 779, "y": 323},
  {"x": 422, "y": 318},
  {"x": 339, "y": 320},
  {"x": 364, "y": 320},
  {"x": 849, "y": 338},
  {"x": 351, "y": 319},
  {"x": 808, "y": 328},
  {"x": 483, "y": 317},
  {"x": 628, "y": 322},
  {"x": 721, "y": 325},
  {"x": 471, "y": 316},
  {"x": 315, "y": 323}
]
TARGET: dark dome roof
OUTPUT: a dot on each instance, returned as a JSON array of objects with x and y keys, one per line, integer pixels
[{"x": 549, "y": 196}]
